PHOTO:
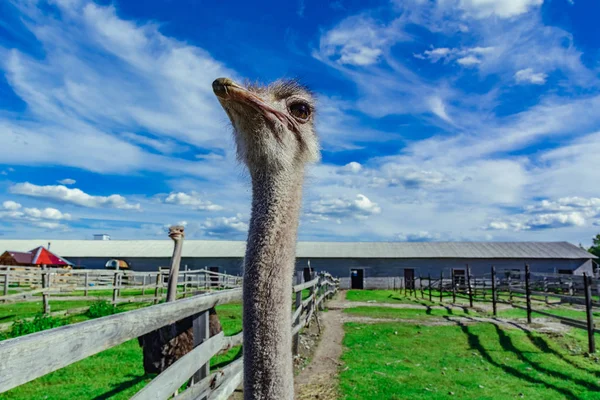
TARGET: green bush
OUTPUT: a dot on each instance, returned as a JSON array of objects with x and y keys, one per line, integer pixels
[
  {"x": 39, "y": 323},
  {"x": 101, "y": 309}
]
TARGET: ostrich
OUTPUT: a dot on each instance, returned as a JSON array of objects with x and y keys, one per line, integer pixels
[
  {"x": 275, "y": 137},
  {"x": 168, "y": 344}
]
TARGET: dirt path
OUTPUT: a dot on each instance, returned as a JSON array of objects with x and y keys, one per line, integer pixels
[{"x": 319, "y": 379}]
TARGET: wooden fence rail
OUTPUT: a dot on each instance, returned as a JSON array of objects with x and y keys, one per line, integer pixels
[
  {"x": 26, "y": 358},
  {"x": 59, "y": 284},
  {"x": 523, "y": 286}
]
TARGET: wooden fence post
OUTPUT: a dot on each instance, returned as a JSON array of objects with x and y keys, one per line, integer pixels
[
  {"x": 115, "y": 286},
  {"x": 201, "y": 325},
  {"x": 296, "y": 338},
  {"x": 322, "y": 289},
  {"x": 546, "y": 288},
  {"x": 469, "y": 286},
  {"x": 144, "y": 284},
  {"x": 86, "y": 283},
  {"x": 157, "y": 288},
  {"x": 484, "y": 294},
  {"x": 528, "y": 293},
  {"x": 429, "y": 281},
  {"x": 6, "y": 280},
  {"x": 185, "y": 283},
  {"x": 494, "y": 290},
  {"x": 421, "y": 286},
  {"x": 587, "y": 284},
  {"x": 441, "y": 285},
  {"x": 510, "y": 287},
  {"x": 453, "y": 287},
  {"x": 571, "y": 292},
  {"x": 45, "y": 295}
]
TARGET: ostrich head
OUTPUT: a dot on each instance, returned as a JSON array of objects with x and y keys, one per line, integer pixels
[
  {"x": 176, "y": 232},
  {"x": 273, "y": 125}
]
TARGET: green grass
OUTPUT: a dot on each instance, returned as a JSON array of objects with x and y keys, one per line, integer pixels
[
  {"x": 562, "y": 312},
  {"x": 386, "y": 296},
  {"x": 482, "y": 361},
  {"x": 116, "y": 373},
  {"x": 408, "y": 313},
  {"x": 12, "y": 311}
]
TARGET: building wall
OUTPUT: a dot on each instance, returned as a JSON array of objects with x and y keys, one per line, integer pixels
[{"x": 378, "y": 273}]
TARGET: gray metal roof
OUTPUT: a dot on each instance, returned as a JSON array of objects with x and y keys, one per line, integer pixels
[{"x": 222, "y": 248}]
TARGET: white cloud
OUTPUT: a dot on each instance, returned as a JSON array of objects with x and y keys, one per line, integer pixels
[
  {"x": 439, "y": 108},
  {"x": 468, "y": 61},
  {"x": 11, "y": 205},
  {"x": 161, "y": 145},
  {"x": 546, "y": 214},
  {"x": 67, "y": 181},
  {"x": 43, "y": 218},
  {"x": 352, "y": 167},
  {"x": 422, "y": 236},
  {"x": 101, "y": 76},
  {"x": 210, "y": 157},
  {"x": 394, "y": 174},
  {"x": 225, "y": 227},
  {"x": 358, "y": 40},
  {"x": 73, "y": 196},
  {"x": 339, "y": 208},
  {"x": 192, "y": 200},
  {"x": 527, "y": 75},
  {"x": 468, "y": 56},
  {"x": 499, "y": 8}
]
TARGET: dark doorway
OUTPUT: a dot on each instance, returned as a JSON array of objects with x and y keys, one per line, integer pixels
[
  {"x": 409, "y": 278},
  {"x": 214, "y": 279},
  {"x": 356, "y": 278},
  {"x": 307, "y": 274},
  {"x": 460, "y": 277}
]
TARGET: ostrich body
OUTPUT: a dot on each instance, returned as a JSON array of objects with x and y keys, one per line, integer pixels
[
  {"x": 168, "y": 344},
  {"x": 275, "y": 138}
]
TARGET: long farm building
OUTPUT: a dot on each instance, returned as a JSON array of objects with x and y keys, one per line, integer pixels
[{"x": 365, "y": 265}]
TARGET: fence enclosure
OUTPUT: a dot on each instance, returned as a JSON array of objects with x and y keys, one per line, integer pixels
[
  {"x": 36, "y": 284},
  {"x": 29, "y": 357},
  {"x": 512, "y": 287}
]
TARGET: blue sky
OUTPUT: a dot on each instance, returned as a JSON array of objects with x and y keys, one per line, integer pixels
[{"x": 439, "y": 119}]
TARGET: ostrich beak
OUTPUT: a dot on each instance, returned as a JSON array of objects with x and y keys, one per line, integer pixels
[{"x": 227, "y": 90}]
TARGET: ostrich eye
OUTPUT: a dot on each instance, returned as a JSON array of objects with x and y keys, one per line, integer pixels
[{"x": 300, "y": 111}]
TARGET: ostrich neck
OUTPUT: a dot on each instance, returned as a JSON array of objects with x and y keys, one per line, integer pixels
[
  {"x": 174, "y": 271},
  {"x": 268, "y": 271}
]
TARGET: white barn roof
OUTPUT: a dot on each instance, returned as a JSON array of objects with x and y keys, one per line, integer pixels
[{"x": 222, "y": 248}]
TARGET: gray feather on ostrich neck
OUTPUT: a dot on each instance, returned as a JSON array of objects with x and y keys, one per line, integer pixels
[{"x": 275, "y": 138}]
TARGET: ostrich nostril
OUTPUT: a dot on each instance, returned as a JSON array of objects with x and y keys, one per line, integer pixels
[{"x": 220, "y": 86}]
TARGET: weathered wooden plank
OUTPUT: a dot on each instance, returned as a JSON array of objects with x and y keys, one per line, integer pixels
[
  {"x": 203, "y": 389},
  {"x": 297, "y": 313},
  {"x": 201, "y": 329},
  {"x": 59, "y": 347},
  {"x": 308, "y": 300},
  {"x": 232, "y": 341},
  {"x": 6, "y": 281},
  {"x": 305, "y": 285},
  {"x": 225, "y": 390},
  {"x": 164, "y": 385}
]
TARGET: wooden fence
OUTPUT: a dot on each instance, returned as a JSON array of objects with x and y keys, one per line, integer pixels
[
  {"x": 36, "y": 284},
  {"x": 26, "y": 358},
  {"x": 517, "y": 286}
]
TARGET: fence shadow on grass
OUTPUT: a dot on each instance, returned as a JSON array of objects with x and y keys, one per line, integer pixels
[
  {"x": 475, "y": 344},
  {"x": 543, "y": 345},
  {"x": 135, "y": 379},
  {"x": 508, "y": 345}
]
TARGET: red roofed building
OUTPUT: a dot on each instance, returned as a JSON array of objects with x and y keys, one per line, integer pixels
[{"x": 33, "y": 258}]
